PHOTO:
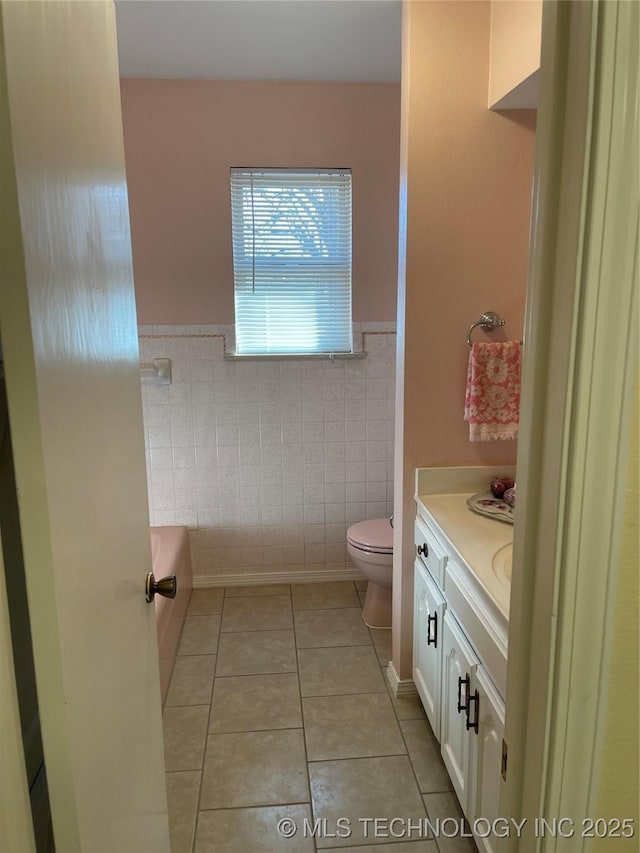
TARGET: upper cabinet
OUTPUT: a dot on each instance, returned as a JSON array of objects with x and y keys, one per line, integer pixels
[{"x": 516, "y": 27}]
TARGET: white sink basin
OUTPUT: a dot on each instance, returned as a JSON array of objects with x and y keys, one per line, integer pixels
[{"x": 501, "y": 563}]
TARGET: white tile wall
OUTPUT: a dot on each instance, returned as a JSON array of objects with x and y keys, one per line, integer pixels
[{"x": 268, "y": 462}]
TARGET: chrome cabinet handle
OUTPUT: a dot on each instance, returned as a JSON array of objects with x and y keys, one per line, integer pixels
[
  {"x": 166, "y": 587},
  {"x": 423, "y": 550}
]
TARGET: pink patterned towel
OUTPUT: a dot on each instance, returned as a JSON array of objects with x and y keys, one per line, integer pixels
[{"x": 492, "y": 401}]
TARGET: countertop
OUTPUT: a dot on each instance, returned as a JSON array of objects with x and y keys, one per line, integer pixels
[
  {"x": 441, "y": 496},
  {"x": 474, "y": 538}
]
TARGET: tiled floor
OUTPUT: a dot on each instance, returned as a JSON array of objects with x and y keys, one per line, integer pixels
[{"x": 279, "y": 709}]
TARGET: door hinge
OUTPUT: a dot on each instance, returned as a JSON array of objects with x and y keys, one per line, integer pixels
[{"x": 503, "y": 767}]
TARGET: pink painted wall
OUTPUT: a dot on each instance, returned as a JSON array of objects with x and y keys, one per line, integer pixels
[
  {"x": 516, "y": 30},
  {"x": 182, "y": 136},
  {"x": 467, "y": 174}
]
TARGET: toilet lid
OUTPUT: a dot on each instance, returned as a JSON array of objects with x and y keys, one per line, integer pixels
[{"x": 373, "y": 535}]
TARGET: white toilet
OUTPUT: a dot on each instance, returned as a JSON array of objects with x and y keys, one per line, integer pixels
[{"x": 370, "y": 546}]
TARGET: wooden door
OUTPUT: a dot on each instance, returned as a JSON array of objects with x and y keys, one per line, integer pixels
[{"x": 69, "y": 341}]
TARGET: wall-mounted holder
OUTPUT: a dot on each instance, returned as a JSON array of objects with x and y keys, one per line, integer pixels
[
  {"x": 488, "y": 321},
  {"x": 157, "y": 373}
]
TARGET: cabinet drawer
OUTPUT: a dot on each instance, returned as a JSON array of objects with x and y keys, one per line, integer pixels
[{"x": 430, "y": 552}]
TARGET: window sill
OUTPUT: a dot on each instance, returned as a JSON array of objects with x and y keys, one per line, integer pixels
[{"x": 320, "y": 356}]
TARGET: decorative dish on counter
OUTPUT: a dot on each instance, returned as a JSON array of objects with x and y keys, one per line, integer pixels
[{"x": 485, "y": 503}]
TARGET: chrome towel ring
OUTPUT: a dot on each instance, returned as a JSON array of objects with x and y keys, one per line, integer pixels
[{"x": 488, "y": 321}]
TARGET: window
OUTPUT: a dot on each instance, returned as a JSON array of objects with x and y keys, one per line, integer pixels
[{"x": 292, "y": 260}]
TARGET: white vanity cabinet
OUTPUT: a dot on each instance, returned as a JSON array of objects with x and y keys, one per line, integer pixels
[
  {"x": 486, "y": 755},
  {"x": 459, "y": 656},
  {"x": 429, "y": 609},
  {"x": 458, "y": 671},
  {"x": 430, "y": 552}
]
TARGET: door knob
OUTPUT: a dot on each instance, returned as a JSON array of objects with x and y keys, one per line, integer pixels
[{"x": 166, "y": 587}]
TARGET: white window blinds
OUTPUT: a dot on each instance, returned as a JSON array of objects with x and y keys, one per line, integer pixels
[{"x": 292, "y": 260}]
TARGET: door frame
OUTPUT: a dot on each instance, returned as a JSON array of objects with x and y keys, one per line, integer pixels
[
  {"x": 16, "y": 827},
  {"x": 579, "y": 371}
]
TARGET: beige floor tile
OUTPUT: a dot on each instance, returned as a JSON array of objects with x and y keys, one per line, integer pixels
[
  {"x": 362, "y": 593},
  {"x": 257, "y": 613},
  {"x": 256, "y": 653},
  {"x": 381, "y": 638},
  {"x": 191, "y": 681},
  {"x": 424, "y": 752},
  {"x": 441, "y": 806},
  {"x": 361, "y": 584},
  {"x": 263, "y": 589},
  {"x": 407, "y": 707},
  {"x": 345, "y": 670},
  {"x": 205, "y": 601},
  {"x": 254, "y": 769},
  {"x": 248, "y": 703},
  {"x": 199, "y": 635},
  {"x": 351, "y": 727},
  {"x": 364, "y": 787},
  {"x": 402, "y": 847},
  {"x": 182, "y": 798},
  {"x": 185, "y": 731},
  {"x": 322, "y": 596},
  {"x": 324, "y": 628},
  {"x": 252, "y": 830}
]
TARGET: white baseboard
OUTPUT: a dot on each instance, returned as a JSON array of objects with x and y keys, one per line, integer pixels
[
  {"x": 400, "y": 686},
  {"x": 259, "y": 578}
]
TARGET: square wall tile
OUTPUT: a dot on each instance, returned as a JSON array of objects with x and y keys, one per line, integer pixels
[{"x": 297, "y": 423}]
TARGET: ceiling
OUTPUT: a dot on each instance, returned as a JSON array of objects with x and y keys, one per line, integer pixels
[{"x": 332, "y": 40}]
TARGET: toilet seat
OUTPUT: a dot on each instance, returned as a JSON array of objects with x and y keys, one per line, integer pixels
[{"x": 374, "y": 535}]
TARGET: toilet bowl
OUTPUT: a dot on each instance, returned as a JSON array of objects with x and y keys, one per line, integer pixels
[{"x": 370, "y": 546}]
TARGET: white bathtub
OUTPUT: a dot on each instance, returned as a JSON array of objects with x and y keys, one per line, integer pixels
[{"x": 170, "y": 555}]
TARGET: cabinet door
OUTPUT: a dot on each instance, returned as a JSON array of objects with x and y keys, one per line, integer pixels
[
  {"x": 486, "y": 755},
  {"x": 459, "y": 664},
  {"x": 429, "y": 609}
]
